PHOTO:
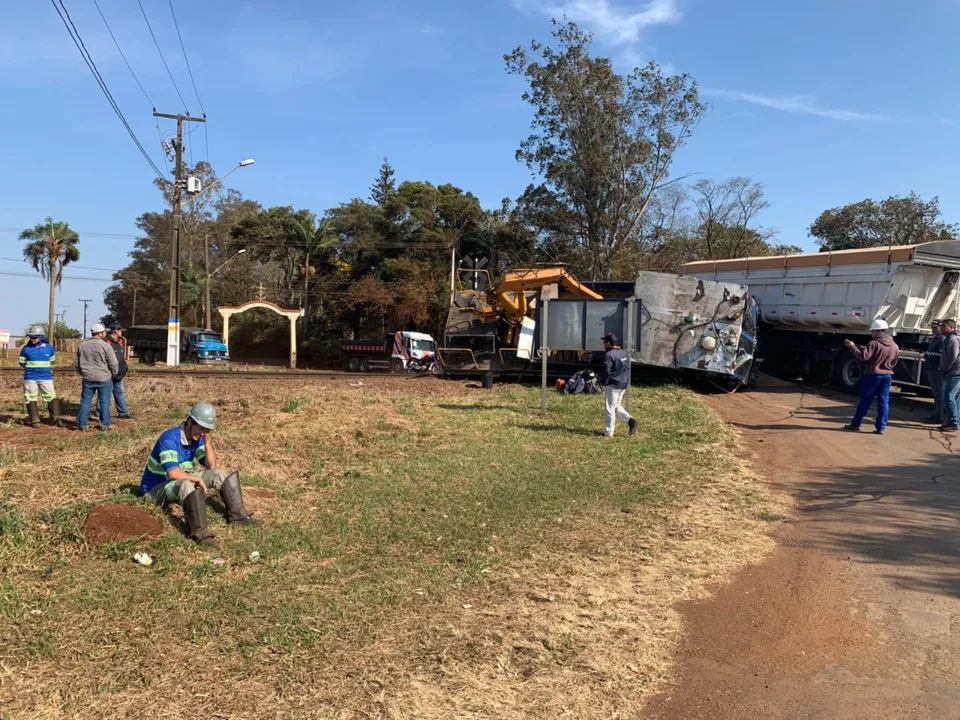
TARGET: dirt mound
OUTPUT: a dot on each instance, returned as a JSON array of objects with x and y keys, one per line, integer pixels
[
  {"x": 107, "y": 523},
  {"x": 259, "y": 492}
]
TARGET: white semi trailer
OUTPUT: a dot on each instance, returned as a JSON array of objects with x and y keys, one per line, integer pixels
[{"x": 810, "y": 303}]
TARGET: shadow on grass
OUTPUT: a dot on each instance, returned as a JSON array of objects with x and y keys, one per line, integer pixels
[{"x": 563, "y": 429}]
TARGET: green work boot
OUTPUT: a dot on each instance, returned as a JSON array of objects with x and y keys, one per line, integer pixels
[
  {"x": 33, "y": 414},
  {"x": 195, "y": 512}
]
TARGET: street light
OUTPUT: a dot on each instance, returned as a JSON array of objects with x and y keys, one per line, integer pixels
[
  {"x": 243, "y": 163},
  {"x": 206, "y": 289}
]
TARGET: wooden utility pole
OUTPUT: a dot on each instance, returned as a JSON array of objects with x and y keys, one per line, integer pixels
[
  {"x": 206, "y": 284},
  {"x": 85, "y": 301},
  {"x": 173, "y": 318}
]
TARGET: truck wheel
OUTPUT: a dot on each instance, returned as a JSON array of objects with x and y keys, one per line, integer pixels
[
  {"x": 364, "y": 366},
  {"x": 847, "y": 372},
  {"x": 147, "y": 357},
  {"x": 396, "y": 366},
  {"x": 353, "y": 364}
]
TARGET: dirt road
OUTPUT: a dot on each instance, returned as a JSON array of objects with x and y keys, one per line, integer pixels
[{"x": 857, "y": 614}]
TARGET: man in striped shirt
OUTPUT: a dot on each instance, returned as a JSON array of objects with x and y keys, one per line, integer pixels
[
  {"x": 36, "y": 359},
  {"x": 183, "y": 464}
]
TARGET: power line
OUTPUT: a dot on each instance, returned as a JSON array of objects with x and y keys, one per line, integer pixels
[
  {"x": 206, "y": 137},
  {"x": 88, "y": 59},
  {"x": 169, "y": 74},
  {"x": 185, "y": 59},
  {"x": 79, "y": 267},
  {"x": 135, "y": 78},
  {"x": 65, "y": 277}
]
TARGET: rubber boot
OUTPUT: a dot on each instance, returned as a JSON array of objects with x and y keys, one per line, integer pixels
[
  {"x": 33, "y": 413},
  {"x": 233, "y": 500},
  {"x": 54, "y": 408},
  {"x": 195, "y": 511}
]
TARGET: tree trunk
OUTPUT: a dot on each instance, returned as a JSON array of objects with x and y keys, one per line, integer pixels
[
  {"x": 306, "y": 278},
  {"x": 52, "y": 327}
]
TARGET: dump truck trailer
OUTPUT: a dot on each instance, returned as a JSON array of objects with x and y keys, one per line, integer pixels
[
  {"x": 684, "y": 325},
  {"x": 809, "y": 304}
]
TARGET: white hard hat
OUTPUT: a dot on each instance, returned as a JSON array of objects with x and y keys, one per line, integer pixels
[
  {"x": 97, "y": 328},
  {"x": 879, "y": 325}
]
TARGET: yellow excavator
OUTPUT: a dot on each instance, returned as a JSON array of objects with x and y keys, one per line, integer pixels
[{"x": 485, "y": 322}]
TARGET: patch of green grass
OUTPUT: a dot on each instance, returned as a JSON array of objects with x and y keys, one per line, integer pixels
[{"x": 293, "y": 404}]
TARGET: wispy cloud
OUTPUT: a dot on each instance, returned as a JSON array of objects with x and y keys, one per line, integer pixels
[
  {"x": 429, "y": 29},
  {"x": 613, "y": 23},
  {"x": 799, "y": 104}
]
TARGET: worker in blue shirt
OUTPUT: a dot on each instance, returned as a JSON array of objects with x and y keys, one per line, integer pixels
[
  {"x": 36, "y": 359},
  {"x": 173, "y": 474}
]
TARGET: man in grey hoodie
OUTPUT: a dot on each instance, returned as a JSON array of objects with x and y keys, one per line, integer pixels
[
  {"x": 97, "y": 366},
  {"x": 950, "y": 374}
]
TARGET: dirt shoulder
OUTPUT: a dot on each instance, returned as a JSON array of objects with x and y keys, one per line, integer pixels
[{"x": 857, "y": 613}]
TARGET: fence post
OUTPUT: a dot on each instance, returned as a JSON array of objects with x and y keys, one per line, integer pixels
[{"x": 544, "y": 354}]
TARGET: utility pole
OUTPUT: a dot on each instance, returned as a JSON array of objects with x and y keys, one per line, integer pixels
[
  {"x": 85, "y": 301},
  {"x": 63, "y": 319},
  {"x": 206, "y": 284},
  {"x": 173, "y": 321}
]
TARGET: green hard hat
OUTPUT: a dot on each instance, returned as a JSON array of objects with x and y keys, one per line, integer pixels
[{"x": 204, "y": 415}]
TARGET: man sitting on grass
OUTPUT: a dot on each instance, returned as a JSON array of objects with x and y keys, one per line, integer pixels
[{"x": 171, "y": 474}]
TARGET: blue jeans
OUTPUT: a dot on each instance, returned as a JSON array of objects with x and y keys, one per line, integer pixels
[
  {"x": 103, "y": 391},
  {"x": 120, "y": 397},
  {"x": 874, "y": 386},
  {"x": 951, "y": 403},
  {"x": 936, "y": 389}
]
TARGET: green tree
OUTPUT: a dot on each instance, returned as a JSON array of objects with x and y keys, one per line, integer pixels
[
  {"x": 51, "y": 246},
  {"x": 61, "y": 331},
  {"x": 602, "y": 143},
  {"x": 895, "y": 221},
  {"x": 384, "y": 186}
]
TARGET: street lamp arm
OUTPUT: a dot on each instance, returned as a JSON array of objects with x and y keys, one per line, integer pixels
[
  {"x": 239, "y": 253},
  {"x": 219, "y": 180}
]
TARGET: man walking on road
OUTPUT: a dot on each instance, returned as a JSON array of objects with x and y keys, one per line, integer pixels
[
  {"x": 115, "y": 342},
  {"x": 950, "y": 375},
  {"x": 36, "y": 359},
  {"x": 97, "y": 366},
  {"x": 616, "y": 380},
  {"x": 879, "y": 358},
  {"x": 931, "y": 362}
]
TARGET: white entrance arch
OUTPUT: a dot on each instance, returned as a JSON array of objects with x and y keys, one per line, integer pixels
[{"x": 227, "y": 312}]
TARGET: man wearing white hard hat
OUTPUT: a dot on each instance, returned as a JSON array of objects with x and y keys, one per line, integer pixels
[
  {"x": 879, "y": 358},
  {"x": 97, "y": 366}
]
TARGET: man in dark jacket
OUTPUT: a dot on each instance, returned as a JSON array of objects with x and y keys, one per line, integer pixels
[
  {"x": 616, "y": 380},
  {"x": 931, "y": 363},
  {"x": 878, "y": 358},
  {"x": 950, "y": 374},
  {"x": 115, "y": 341}
]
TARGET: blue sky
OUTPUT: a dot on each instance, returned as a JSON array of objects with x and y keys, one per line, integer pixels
[{"x": 824, "y": 102}]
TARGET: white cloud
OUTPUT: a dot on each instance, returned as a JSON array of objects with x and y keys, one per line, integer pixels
[
  {"x": 613, "y": 23},
  {"x": 429, "y": 29},
  {"x": 800, "y": 104}
]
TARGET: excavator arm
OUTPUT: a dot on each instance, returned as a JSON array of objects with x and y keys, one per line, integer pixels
[{"x": 511, "y": 292}]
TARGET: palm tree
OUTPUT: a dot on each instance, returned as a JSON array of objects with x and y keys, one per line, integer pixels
[{"x": 50, "y": 246}]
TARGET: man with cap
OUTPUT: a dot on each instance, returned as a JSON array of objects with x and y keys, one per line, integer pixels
[
  {"x": 931, "y": 363},
  {"x": 36, "y": 359},
  {"x": 615, "y": 379},
  {"x": 115, "y": 341},
  {"x": 97, "y": 366},
  {"x": 173, "y": 474},
  {"x": 879, "y": 358}
]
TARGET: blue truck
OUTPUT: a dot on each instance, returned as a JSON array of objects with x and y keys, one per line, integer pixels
[{"x": 197, "y": 345}]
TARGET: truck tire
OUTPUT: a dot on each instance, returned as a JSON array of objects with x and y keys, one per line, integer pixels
[
  {"x": 147, "y": 357},
  {"x": 353, "y": 364},
  {"x": 847, "y": 372},
  {"x": 396, "y": 366},
  {"x": 364, "y": 366}
]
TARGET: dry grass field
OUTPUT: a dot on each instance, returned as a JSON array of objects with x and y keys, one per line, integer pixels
[{"x": 431, "y": 550}]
